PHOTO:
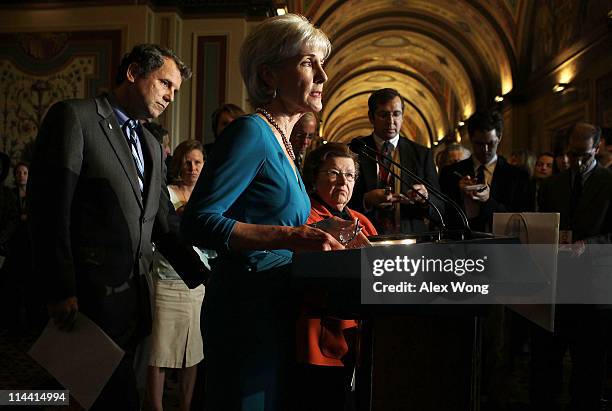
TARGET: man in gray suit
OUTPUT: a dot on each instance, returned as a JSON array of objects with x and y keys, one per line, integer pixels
[{"x": 98, "y": 197}]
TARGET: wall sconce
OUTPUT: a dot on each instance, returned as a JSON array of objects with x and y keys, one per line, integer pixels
[
  {"x": 499, "y": 99},
  {"x": 559, "y": 87},
  {"x": 460, "y": 124},
  {"x": 281, "y": 11}
]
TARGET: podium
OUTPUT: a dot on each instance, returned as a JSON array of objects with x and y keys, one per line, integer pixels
[{"x": 414, "y": 356}]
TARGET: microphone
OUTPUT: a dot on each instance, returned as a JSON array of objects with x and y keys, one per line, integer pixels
[{"x": 360, "y": 147}]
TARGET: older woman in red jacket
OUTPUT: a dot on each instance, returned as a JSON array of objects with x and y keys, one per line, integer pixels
[{"x": 326, "y": 345}]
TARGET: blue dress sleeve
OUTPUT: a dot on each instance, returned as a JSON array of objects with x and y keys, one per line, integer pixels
[{"x": 238, "y": 155}]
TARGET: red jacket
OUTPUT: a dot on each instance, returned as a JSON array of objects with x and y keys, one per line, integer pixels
[{"x": 320, "y": 340}]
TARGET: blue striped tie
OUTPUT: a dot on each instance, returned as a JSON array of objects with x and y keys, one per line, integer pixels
[{"x": 130, "y": 132}]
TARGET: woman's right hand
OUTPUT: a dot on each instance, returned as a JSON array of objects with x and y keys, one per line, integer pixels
[{"x": 307, "y": 238}]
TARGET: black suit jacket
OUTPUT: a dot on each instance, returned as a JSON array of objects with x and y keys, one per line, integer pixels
[
  {"x": 592, "y": 223},
  {"x": 509, "y": 192},
  {"x": 592, "y": 219},
  {"x": 414, "y": 157},
  {"x": 92, "y": 229}
]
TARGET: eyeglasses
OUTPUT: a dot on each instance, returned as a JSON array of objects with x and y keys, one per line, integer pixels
[
  {"x": 335, "y": 174},
  {"x": 580, "y": 156}
]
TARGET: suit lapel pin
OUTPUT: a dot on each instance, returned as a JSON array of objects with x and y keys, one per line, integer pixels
[{"x": 110, "y": 126}]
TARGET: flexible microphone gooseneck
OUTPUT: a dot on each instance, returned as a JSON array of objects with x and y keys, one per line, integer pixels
[{"x": 360, "y": 147}]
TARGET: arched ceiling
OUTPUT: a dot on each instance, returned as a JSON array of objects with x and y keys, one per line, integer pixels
[{"x": 445, "y": 57}]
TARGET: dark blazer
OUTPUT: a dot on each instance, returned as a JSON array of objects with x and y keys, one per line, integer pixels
[
  {"x": 509, "y": 192},
  {"x": 414, "y": 157},
  {"x": 592, "y": 220},
  {"x": 91, "y": 229}
]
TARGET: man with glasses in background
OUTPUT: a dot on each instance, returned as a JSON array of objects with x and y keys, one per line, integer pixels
[
  {"x": 583, "y": 197},
  {"x": 394, "y": 207}
]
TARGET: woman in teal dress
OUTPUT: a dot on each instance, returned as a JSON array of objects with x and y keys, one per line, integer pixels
[{"x": 251, "y": 206}]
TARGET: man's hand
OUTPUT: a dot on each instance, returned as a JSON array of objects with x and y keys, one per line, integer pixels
[
  {"x": 578, "y": 248},
  {"x": 64, "y": 313},
  {"x": 374, "y": 198},
  {"x": 481, "y": 195},
  {"x": 414, "y": 197},
  {"x": 307, "y": 238}
]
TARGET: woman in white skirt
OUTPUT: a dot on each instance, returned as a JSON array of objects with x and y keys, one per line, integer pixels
[{"x": 176, "y": 340}]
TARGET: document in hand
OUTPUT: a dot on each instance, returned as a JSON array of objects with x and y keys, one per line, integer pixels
[{"x": 82, "y": 360}]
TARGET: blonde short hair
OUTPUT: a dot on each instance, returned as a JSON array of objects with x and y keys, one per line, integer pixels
[{"x": 276, "y": 39}]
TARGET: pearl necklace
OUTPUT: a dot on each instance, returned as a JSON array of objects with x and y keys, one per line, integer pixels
[{"x": 286, "y": 141}]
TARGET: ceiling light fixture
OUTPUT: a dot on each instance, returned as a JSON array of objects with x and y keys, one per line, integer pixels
[{"x": 559, "y": 87}]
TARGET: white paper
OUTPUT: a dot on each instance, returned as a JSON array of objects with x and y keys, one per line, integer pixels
[{"x": 82, "y": 360}]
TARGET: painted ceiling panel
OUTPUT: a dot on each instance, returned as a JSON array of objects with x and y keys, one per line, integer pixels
[
  {"x": 446, "y": 57},
  {"x": 460, "y": 15},
  {"x": 411, "y": 52}
]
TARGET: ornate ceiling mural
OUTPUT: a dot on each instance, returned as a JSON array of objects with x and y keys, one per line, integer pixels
[
  {"x": 559, "y": 24},
  {"x": 445, "y": 57}
]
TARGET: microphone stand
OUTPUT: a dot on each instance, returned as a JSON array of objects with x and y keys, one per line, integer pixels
[{"x": 362, "y": 148}]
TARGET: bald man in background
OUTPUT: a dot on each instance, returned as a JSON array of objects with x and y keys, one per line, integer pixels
[{"x": 302, "y": 135}]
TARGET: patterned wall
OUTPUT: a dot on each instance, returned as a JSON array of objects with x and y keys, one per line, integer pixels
[{"x": 39, "y": 69}]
